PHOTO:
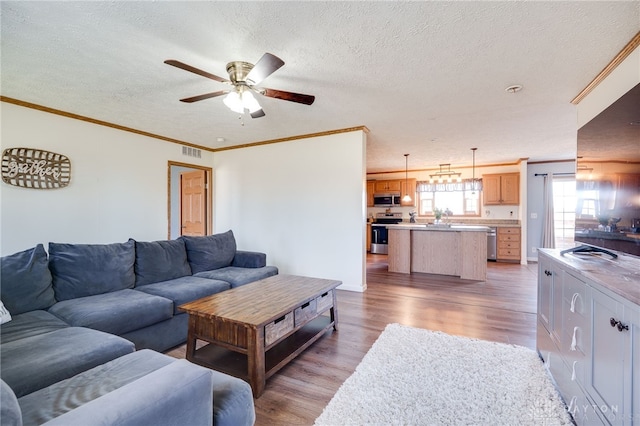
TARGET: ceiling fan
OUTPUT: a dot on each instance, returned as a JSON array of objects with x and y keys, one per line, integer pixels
[{"x": 244, "y": 77}]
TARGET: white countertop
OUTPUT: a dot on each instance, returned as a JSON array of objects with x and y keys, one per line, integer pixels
[{"x": 439, "y": 227}]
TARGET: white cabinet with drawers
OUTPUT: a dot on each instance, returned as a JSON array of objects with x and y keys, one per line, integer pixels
[{"x": 589, "y": 334}]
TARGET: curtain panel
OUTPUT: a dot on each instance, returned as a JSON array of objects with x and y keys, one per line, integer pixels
[{"x": 465, "y": 185}]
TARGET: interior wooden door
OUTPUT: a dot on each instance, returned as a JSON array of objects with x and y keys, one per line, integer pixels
[{"x": 193, "y": 195}]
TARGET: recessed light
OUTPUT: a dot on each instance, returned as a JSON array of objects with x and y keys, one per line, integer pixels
[
  {"x": 219, "y": 139},
  {"x": 514, "y": 88}
]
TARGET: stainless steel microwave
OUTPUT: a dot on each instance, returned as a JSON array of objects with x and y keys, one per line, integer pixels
[{"x": 386, "y": 200}]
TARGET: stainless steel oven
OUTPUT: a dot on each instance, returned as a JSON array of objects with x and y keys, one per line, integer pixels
[{"x": 379, "y": 232}]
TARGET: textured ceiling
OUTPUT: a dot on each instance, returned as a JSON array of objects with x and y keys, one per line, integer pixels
[{"x": 426, "y": 78}]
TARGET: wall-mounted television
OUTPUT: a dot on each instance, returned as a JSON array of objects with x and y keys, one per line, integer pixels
[{"x": 608, "y": 177}]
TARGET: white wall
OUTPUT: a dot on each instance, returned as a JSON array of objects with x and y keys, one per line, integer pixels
[
  {"x": 118, "y": 183},
  {"x": 624, "y": 77},
  {"x": 301, "y": 202}
]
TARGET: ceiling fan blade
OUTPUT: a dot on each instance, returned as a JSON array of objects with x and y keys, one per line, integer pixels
[
  {"x": 205, "y": 96},
  {"x": 266, "y": 66},
  {"x": 257, "y": 114},
  {"x": 195, "y": 70},
  {"x": 289, "y": 96}
]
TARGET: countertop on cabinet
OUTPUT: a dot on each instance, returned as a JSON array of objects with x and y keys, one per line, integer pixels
[
  {"x": 620, "y": 275},
  {"x": 618, "y": 235},
  {"x": 439, "y": 227}
]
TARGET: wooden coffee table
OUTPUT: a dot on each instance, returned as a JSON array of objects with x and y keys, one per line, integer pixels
[{"x": 254, "y": 330}]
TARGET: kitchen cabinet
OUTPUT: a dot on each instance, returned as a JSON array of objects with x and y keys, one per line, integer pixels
[
  {"x": 408, "y": 186},
  {"x": 508, "y": 244},
  {"x": 370, "y": 191},
  {"x": 615, "y": 329},
  {"x": 546, "y": 276},
  {"x": 386, "y": 186},
  {"x": 457, "y": 250},
  {"x": 501, "y": 189},
  {"x": 588, "y": 335},
  {"x": 368, "y": 237}
]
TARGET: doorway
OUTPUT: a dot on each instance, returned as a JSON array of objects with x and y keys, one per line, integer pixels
[{"x": 190, "y": 195}]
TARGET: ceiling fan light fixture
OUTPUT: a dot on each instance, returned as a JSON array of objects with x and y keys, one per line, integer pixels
[
  {"x": 250, "y": 102},
  {"x": 238, "y": 102},
  {"x": 234, "y": 102}
]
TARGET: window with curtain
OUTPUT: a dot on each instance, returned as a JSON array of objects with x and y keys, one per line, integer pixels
[
  {"x": 564, "y": 211},
  {"x": 461, "y": 198}
]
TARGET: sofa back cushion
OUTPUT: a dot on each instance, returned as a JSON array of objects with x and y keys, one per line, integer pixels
[
  {"x": 26, "y": 281},
  {"x": 158, "y": 261},
  {"x": 81, "y": 270},
  {"x": 210, "y": 252}
]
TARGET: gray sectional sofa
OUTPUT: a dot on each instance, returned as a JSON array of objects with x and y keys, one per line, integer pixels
[{"x": 87, "y": 320}]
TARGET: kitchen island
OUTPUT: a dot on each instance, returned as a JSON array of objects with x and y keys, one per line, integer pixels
[{"x": 458, "y": 250}]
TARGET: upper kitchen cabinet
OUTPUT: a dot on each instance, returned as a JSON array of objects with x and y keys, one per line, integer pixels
[
  {"x": 408, "y": 186},
  {"x": 384, "y": 186},
  {"x": 370, "y": 190},
  {"x": 501, "y": 189}
]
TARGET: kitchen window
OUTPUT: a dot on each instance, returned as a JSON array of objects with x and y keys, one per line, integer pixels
[{"x": 461, "y": 198}]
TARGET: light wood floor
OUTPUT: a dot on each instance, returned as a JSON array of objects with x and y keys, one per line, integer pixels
[{"x": 501, "y": 309}]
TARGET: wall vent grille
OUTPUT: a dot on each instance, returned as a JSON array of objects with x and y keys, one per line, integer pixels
[{"x": 191, "y": 152}]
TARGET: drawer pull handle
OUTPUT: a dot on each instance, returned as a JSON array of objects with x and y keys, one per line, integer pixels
[
  {"x": 324, "y": 294},
  {"x": 573, "y": 302},
  {"x": 621, "y": 327},
  {"x": 305, "y": 305},
  {"x": 574, "y": 339},
  {"x": 279, "y": 319},
  {"x": 573, "y": 372}
]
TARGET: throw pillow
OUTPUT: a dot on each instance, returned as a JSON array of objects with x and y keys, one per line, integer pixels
[
  {"x": 158, "y": 261},
  {"x": 81, "y": 270},
  {"x": 210, "y": 252},
  {"x": 26, "y": 281},
  {"x": 5, "y": 316}
]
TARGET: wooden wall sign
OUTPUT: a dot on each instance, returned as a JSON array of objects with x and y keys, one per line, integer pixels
[{"x": 35, "y": 168}]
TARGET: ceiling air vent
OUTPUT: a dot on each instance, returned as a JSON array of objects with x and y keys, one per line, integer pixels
[{"x": 191, "y": 152}]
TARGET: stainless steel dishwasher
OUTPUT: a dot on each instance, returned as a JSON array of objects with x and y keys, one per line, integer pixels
[{"x": 492, "y": 244}]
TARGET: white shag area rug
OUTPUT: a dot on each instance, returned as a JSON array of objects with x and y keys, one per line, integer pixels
[{"x": 412, "y": 376}]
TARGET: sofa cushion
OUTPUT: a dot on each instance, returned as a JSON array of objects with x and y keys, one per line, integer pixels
[
  {"x": 81, "y": 270},
  {"x": 210, "y": 252},
  {"x": 249, "y": 259},
  {"x": 117, "y": 312},
  {"x": 232, "y": 401},
  {"x": 10, "y": 412},
  {"x": 61, "y": 397},
  {"x": 38, "y": 361},
  {"x": 179, "y": 393},
  {"x": 26, "y": 281},
  {"x": 158, "y": 261},
  {"x": 185, "y": 289},
  {"x": 239, "y": 276},
  {"x": 30, "y": 324}
]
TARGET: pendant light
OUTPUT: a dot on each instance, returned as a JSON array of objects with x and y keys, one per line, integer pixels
[{"x": 407, "y": 197}]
